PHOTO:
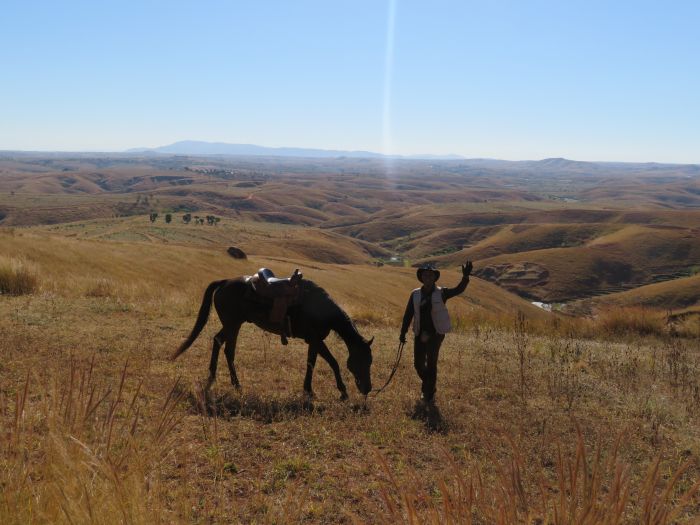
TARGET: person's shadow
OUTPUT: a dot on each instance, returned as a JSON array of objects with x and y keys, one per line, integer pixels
[{"x": 430, "y": 414}]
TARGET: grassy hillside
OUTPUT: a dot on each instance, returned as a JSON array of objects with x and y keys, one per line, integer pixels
[
  {"x": 100, "y": 426},
  {"x": 591, "y": 261},
  {"x": 675, "y": 294},
  {"x": 147, "y": 270},
  {"x": 252, "y": 237}
]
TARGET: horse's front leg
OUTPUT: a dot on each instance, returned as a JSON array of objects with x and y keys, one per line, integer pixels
[
  {"x": 326, "y": 354},
  {"x": 230, "y": 352},
  {"x": 310, "y": 364}
]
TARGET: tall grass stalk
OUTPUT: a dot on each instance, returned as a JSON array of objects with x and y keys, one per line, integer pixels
[
  {"x": 590, "y": 489},
  {"x": 80, "y": 452},
  {"x": 520, "y": 341}
]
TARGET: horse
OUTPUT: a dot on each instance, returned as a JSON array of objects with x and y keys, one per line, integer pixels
[{"x": 311, "y": 318}]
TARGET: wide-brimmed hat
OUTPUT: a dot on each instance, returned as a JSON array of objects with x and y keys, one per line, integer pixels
[{"x": 427, "y": 267}]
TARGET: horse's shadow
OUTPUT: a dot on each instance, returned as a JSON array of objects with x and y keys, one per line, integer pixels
[
  {"x": 226, "y": 405},
  {"x": 431, "y": 417}
]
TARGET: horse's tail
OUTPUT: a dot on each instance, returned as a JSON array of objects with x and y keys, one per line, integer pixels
[{"x": 202, "y": 318}]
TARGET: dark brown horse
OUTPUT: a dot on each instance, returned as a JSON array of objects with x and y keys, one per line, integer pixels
[{"x": 312, "y": 319}]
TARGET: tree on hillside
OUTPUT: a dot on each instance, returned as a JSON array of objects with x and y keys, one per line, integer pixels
[
  {"x": 168, "y": 218},
  {"x": 186, "y": 218},
  {"x": 153, "y": 216}
]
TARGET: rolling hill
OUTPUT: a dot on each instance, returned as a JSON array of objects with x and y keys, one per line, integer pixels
[
  {"x": 676, "y": 294},
  {"x": 551, "y": 230},
  {"x": 74, "y": 265}
]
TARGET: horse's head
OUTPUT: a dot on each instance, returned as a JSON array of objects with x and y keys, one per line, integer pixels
[{"x": 359, "y": 364}]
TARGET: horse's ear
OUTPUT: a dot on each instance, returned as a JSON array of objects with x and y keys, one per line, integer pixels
[{"x": 369, "y": 343}]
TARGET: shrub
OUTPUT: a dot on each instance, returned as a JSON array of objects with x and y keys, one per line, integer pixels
[
  {"x": 371, "y": 317},
  {"x": 100, "y": 288},
  {"x": 626, "y": 321},
  {"x": 17, "y": 277}
]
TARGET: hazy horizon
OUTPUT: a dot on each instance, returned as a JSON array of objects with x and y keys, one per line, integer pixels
[
  {"x": 375, "y": 154},
  {"x": 581, "y": 80}
]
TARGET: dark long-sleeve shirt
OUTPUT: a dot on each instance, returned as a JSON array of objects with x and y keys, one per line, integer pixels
[{"x": 426, "y": 306}]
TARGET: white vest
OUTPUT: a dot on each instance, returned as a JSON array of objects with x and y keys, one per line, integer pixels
[{"x": 439, "y": 313}]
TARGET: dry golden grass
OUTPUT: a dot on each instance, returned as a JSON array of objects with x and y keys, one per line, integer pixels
[
  {"x": 17, "y": 277},
  {"x": 267, "y": 455},
  {"x": 132, "y": 270},
  {"x": 78, "y": 449},
  {"x": 631, "y": 321},
  {"x": 674, "y": 294},
  {"x": 586, "y": 491},
  {"x": 254, "y": 238},
  {"x": 541, "y": 419}
]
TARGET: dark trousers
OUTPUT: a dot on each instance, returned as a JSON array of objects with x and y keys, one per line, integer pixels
[{"x": 425, "y": 358}]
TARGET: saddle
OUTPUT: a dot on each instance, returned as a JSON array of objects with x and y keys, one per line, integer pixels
[{"x": 282, "y": 292}]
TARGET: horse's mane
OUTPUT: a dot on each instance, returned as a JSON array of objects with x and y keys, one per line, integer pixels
[
  {"x": 317, "y": 302},
  {"x": 316, "y": 297}
]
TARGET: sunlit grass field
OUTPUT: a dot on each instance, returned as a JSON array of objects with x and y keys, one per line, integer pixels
[{"x": 537, "y": 420}]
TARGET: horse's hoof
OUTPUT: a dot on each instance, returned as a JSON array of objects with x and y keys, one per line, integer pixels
[
  {"x": 344, "y": 396},
  {"x": 308, "y": 394}
]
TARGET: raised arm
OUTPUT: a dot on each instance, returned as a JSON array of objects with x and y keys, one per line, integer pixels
[{"x": 448, "y": 293}]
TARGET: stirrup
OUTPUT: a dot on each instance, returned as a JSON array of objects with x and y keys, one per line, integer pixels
[{"x": 286, "y": 330}]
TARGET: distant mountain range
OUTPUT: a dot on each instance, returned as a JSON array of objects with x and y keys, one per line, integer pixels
[
  {"x": 195, "y": 147},
  {"x": 557, "y": 165}
]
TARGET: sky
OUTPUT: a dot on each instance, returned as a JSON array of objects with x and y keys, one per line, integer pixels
[{"x": 587, "y": 80}]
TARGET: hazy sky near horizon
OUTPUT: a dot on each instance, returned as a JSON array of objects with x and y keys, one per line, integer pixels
[{"x": 588, "y": 80}]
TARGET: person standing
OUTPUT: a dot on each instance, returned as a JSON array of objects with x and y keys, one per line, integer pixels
[{"x": 431, "y": 321}]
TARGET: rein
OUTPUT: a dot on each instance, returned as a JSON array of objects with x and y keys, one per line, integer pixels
[{"x": 399, "y": 353}]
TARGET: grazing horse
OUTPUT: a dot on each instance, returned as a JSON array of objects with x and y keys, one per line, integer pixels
[{"x": 311, "y": 318}]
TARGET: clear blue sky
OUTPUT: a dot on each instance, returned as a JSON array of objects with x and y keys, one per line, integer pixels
[{"x": 590, "y": 80}]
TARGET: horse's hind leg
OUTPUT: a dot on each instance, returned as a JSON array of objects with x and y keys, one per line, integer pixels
[
  {"x": 230, "y": 352},
  {"x": 218, "y": 340},
  {"x": 310, "y": 365},
  {"x": 326, "y": 354}
]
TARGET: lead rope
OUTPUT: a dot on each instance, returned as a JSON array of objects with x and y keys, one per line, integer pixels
[{"x": 399, "y": 353}]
